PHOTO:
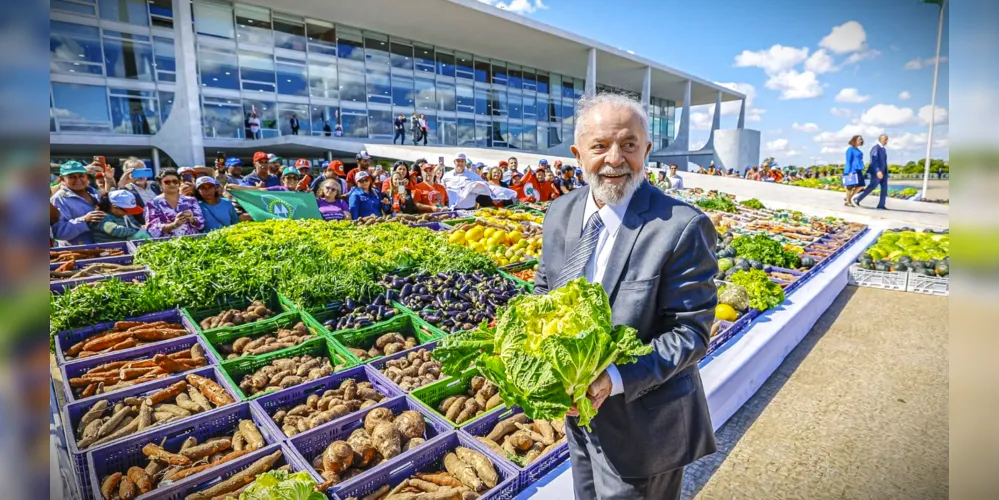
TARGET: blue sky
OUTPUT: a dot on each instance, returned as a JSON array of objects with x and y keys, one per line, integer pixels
[{"x": 818, "y": 72}]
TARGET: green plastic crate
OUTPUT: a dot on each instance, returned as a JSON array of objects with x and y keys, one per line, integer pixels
[
  {"x": 404, "y": 323},
  {"x": 507, "y": 272},
  {"x": 235, "y": 369},
  {"x": 216, "y": 337},
  {"x": 274, "y": 301},
  {"x": 432, "y": 394}
]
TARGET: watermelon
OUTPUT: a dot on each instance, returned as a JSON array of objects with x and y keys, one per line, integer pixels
[
  {"x": 755, "y": 264},
  {"x": 724, "y": 264},
  {"x": 882, "y": 266}
]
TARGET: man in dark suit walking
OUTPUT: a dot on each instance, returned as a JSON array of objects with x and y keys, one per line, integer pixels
[
  {"x": 652, "y": 254},
  {"x": 877, "y": 172}
]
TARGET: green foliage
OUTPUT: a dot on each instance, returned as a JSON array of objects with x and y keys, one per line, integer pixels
[
  {"x": 764, "y": 248},
  {"x": 110, "y": 300},
  {"x": 546, "y": 350},
  {"x": 719, "y": 203},
  {"x": 753, "y": 203},
  {"x": 763, "y": 293},
  {"x": 281, "y": 485}
]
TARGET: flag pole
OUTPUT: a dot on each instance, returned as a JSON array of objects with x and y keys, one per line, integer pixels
[{"x": 933, "y": 103}]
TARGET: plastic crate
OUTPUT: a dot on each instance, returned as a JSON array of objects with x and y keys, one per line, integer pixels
[
  {"x": 877, "y": 279},
  {"x": 733, "y": 328},
  {"x": 378, "y": 364},
  {"x": 63, "y": 284},
  {"x": 429, "y": 458},
  {"x": 137, "y": 278},
  {"x": 218, "y": 474},
  {"x": 791, "y": 285},
  {"x": 433, "y": 226},
  {"x": 234, "y": 369},
  {"x": 332, "y": 312},
  {"x": 114, "y": 245},
  {"x": 77, "y": 368},
  {"x": 128, "y": 452},
  {"x": 406, "y": 324},
  {"x": 294, "y": 396},
  {"x": 931, "y": 285},
  {"x": 507, "y": 272},
  {"x": 217, "y": 337},
  {"x": 534, "y": 471},
  {"x": 73, "y": 412},
  {"x": 195, "y": 316},
  {"x": 431, "y": 394},
  {"x": 67, "y": 338},
  {"x": 311, "y": 443}
]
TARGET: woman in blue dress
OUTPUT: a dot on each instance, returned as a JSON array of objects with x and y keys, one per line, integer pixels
[{"x": 854, "y": 165}]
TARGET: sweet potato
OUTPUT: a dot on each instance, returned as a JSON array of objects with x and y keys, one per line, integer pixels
[
  {"x": 168, "y": 364},
  {"x": 155, "y": 452},
  {"x": 210, "y": 389},
  {"x": 105, "y": 341},
  {"x": 483, "y": 467},
  {"x": 92, "y": 414},
  {"x": 506, "y": 426},
  {"x": 127, "y": 489},
  {"x": 184, "y": 401},
  {"x": 156, "y": 335},
  {"x": 203, "y": 450},
  {"x": 118, "y": 433},
  {"x": 142, "y": 480},
  {"x": 456, "y": 407},
  {"x": 110, "y": 485},
  {"x": 112, "y": 423},
  {"x": 520, "y": 440},
  {"x": 172, "y": 409},
  {"x": 198, "y": 399},
  {"x": 463, "y": 472},
  {"x": 250, "y": 433}
]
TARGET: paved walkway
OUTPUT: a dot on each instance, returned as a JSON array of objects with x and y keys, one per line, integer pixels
[{"x": 859, "y": 410}]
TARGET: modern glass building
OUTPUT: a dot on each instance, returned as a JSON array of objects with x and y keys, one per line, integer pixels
[{"x": 121, "y": 68}]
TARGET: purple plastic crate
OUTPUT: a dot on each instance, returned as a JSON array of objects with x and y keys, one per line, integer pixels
[
  {"x": 534, "y": 471},
  {"x": 77, "y": 368},
  {"x": 379, "y": 364},
  {"x": 117, "y": 245},
  {"x": 433, "y": 226},
  {"x": 65, "y": 339},
  {"x": 734, "y": 328},
  {"x": 182, "y": 489},
  {"x": 311, "y": 443},
  {"x": 128, "y": 452},
  {"x": 297, "y": 395},
  {"x": 73, "y": 412},
  {"x": 130, "y": 277},
  {"x": 429, "y": 458},
  {"x": 60, "y": 286}
]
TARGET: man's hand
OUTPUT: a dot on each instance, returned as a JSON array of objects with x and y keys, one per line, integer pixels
[
  {"x": 598, "y": 391},
  {"x": 881, "y": 176},
  {"x": 95, "y": 216}
]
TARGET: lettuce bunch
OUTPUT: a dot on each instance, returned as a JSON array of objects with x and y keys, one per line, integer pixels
[
  {"x": 545, "y": 350},
  {"x": 281, "y": 485}
]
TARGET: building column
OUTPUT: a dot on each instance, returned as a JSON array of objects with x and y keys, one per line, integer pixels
[
  {"x": 682, "y": 138},
  {"x": 182, "y": 135},
  {"x": 716, "y": 120},
  {"x": 329, "y": 156},
  {"x": 156, "y": 161},
  {"x": 591, "y": 73},
  {"x": 647, "y": 88},
  {"x": 742, "y": 115}
]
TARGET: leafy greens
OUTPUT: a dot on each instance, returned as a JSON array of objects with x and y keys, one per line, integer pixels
[
  {"x": 763, "y": 293},
  {"x": 765, "y": 249},
  {"x": 281, "y": 485},
  {"x": 546, "y": 350}
]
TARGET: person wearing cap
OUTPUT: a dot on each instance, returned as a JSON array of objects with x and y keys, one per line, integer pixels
[
  {"x": 261, "y": 176},
  {"x": 77, "y": 203},
  {"x": 429, "y": 191},
  {"x": 564, "y": 184},
  {"x": 546, "y": 190},
  {"x": 122, "y": 221},
  {"x": 465, "y": 188},
  {"x": 143, "y": 188},
  {"x": 363, "y": 162},
  {"x": 331, "y": 203},
  {"x": 187, "y": 175},
  {"x": 578, "y": 180},
  {"x": 171, "y": 213},
  {"x": 332, "y": 170},
  {"x": 218, "y": 211},
  {"x": 233, "y": 172},
  {"x": 274, "y": 164},
  {"x": 304, "y": 166},
  {"x": 365, "y": 200},
  {"x": 416, "y": 171}
]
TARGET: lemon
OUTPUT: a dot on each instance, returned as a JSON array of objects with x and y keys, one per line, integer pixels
[{"x": 726, "y": 312}]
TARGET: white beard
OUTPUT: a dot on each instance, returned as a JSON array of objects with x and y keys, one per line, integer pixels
[{"x": 610, "y": 193}]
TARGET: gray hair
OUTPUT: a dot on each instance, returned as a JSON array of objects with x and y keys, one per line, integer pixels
[
  {"x": 882, "y": 136},
  {"x": 589, "y": 102},
  {"x": 132, "y": 162}
]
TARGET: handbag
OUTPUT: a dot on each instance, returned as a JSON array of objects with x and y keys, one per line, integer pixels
[{"x": 850, "y": 179}]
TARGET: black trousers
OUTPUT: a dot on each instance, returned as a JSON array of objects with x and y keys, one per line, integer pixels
[{"x": 399, "y": 134}]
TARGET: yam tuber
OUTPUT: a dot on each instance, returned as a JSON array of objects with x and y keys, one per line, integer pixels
[
  {"x": 410, "y": 424},
  {"x": 155, "y": 452},
  {"x": 338, "y": 457},
  {"x": 387, "y": 440},
  {"x": 483, "y": 467},
  {"x": 363, "y": 446},
  {"x": 141, "y": 479},
  {"x": 250, "y": 433},
  {"x": 110, "y": 485},
  {"x": 375, "y": 417},
  {"x": 238, "y": 480},
  {"x": 463, "y": 471},
  {"x": 505, "y": 427}
]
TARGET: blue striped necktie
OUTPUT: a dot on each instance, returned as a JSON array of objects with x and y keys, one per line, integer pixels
[{"x": 580, "y": 255}]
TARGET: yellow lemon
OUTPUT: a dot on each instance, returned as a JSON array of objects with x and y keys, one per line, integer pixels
[{"x": 726, "y": 312}]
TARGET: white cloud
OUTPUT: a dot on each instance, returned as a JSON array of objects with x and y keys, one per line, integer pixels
[
  {"x": 851, "y": 95},
  {"x": 940, "y": 117},
  {"x": 860, "y": 56},
  {"x": 839, "y": 139},
  {"x": 795, "y": 85},
  {"x": 847, "y": 37},
  {"x": 698, "y": 144},
  {"x": 700, "y": 120},
  {"x": 831, "y": 150},
  {"x": 777, "y": 145},
  {"x": 792, "y": 152},
  {"x": 887, "y": 115},
  {"x": 700, "y": 116},
  {"x": 521, "y": 7},
  {"x": 820, "y": 62},
  {"x": 808, "y": 128},
  {"x": 918, "y": 63},
  {"x": 841, "y": 112},
  {"x": 776, "y": 59},
  {"x": 904, "y": 95}
]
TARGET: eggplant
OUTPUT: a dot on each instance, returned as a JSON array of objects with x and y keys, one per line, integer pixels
[
  {"x": 349, "y": 303},
  {"x": 388, "y": 314},
  {"x": 406, "y": 290}
]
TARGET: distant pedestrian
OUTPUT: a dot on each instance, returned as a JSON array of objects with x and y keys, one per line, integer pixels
[
  {"x": 400, "y": 128},
  {"x": 853, "y": 170},
  {"x": 326, "y": 128},
  {"x": 294, "y": 124},
  {"x": 254, "y": 124},
  {"x": 414, "y": 124},
  {"x": 939, "y": 173},
  {"x": 424, "y": 128},
  {"x": 878, "y": 172}
]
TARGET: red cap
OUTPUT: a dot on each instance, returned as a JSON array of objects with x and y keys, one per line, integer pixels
[
  {"x": 136, "y": 210},
  {"x": 302, "y": 162},
  {"x": 503, "y": 163},
  {"x": 558, "y": 163},
  {"x": 338, "y": 167},
  {"x": 259, "y": 156}
]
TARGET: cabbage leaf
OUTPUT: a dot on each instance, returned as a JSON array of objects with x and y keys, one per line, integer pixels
[{"x": 280, "y": 485}]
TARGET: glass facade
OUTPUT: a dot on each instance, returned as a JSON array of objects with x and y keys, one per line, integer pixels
[{"x": 251, "y": 59}]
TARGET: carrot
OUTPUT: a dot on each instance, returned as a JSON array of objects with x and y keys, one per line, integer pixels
[
  {"x": 169, "y": 365},
  {"x": 121, "y": 326},
  {"x": 153, "y": 335},
  {"x": 166, "y": 393},
  {"x": 104, "y": 342},
  {"x": 156, "y": 452}
]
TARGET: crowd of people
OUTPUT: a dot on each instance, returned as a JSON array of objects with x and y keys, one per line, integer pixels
[{"x": 89, "y": 204}]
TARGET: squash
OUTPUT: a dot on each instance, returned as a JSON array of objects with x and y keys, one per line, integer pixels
[{"x": 807, "y": 261}]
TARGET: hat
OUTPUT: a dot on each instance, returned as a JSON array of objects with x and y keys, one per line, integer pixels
[
  {"x": 204, "y": 179},
  {"x": 289, "y": 171},
  {"x": 516, "y": 174},
  {"x": 503, "y": 163},
  {"x": 302, "y": 163},
  {"x": 337, "y": 167},
  {"x": 259, "y": 156},
  {"x": 461, "y": 156},
  {"x": 72, "y": 167},
  {"x": 125, "y": 201},
  {"x": 271, "y": 158},
  {"x": 428, "y": 166},
  {"x": 579, "y": 172},
  {"x": 543, "y": 162},
  {"x": 363, "y": 155},
  {"x": 479, "y": 164},
  {"x": 558, "y": 163},
  {"x": 361, "y": 175},
  {"x": 568, "y": 168},
  {"x": 185, "y": 170},
  {"x": 324, "y": 164},
  {"x": 232, "y": 161}
]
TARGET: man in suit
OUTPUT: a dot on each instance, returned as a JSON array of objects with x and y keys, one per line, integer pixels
[
  {"x": 652, "y": 254},
  {"x": 877, "y": 173}
]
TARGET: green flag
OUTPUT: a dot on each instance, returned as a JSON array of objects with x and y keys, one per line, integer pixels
[{"x": 263, "y": 205}]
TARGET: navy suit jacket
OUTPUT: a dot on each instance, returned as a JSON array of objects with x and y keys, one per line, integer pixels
[{"x": 879, "y": 161}]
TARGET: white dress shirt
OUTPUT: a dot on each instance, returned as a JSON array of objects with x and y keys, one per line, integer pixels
[
  {"x": 675, "y": 181},
  {"x": 612, "y": 217}
]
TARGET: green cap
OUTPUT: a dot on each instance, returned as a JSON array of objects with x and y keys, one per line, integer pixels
[
  {"x": 289, "y": 171},
  {"x": 72, "y": 167}
]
